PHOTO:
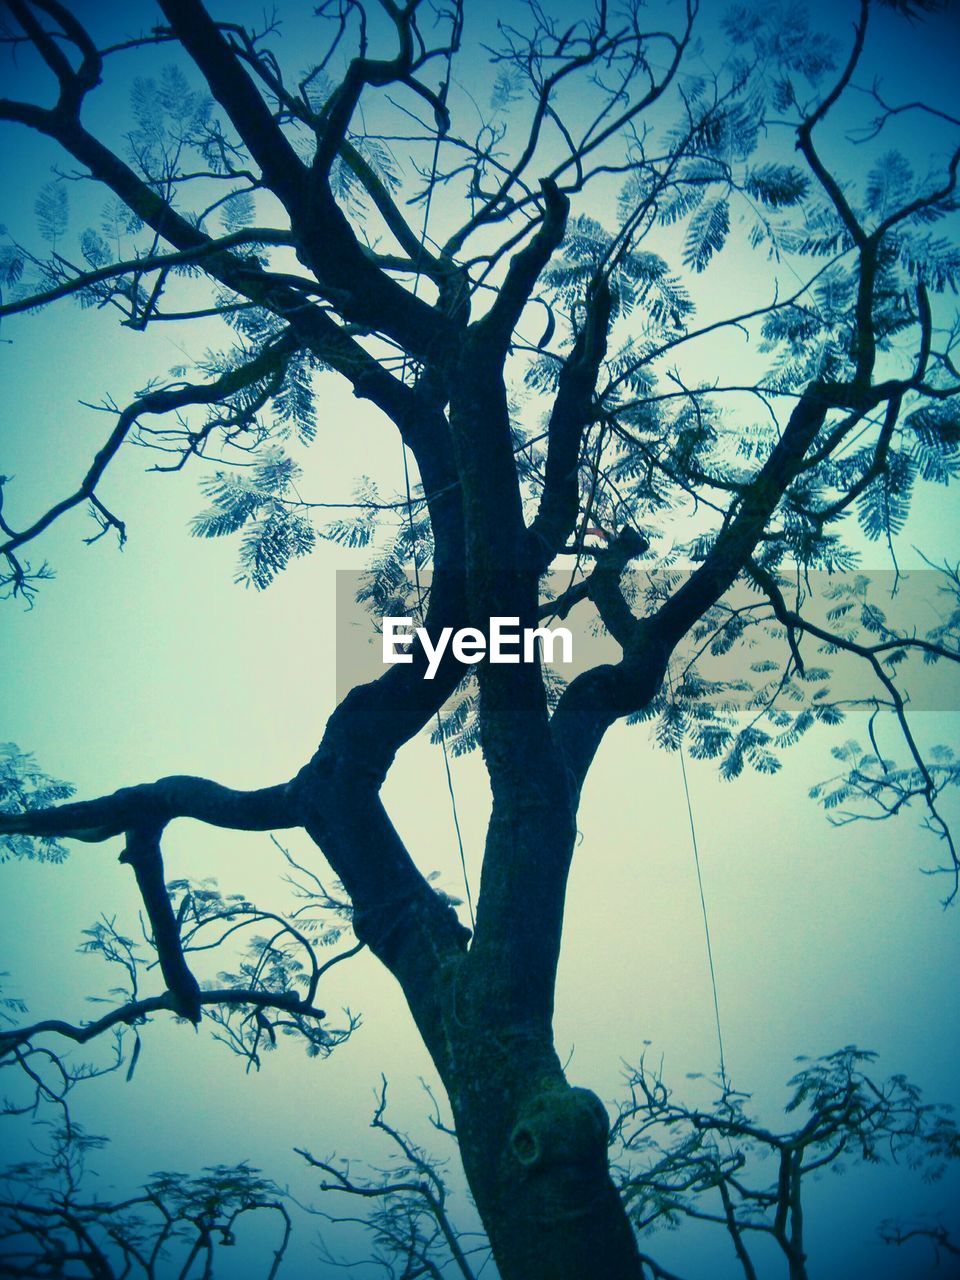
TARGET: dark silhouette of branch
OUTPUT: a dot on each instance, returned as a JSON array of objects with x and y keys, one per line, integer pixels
[
  {"x": 50, "y": 1225},
  {"x": 637, "y": 459}
]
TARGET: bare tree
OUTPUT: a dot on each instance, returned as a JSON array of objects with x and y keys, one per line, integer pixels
[
  {"x": 674, "y": 1163},
  {"x": 671, "y": 1162},
  {"x": 405, "y": 1213},
  {"x": 709, "y": 1164},
  {"x": 278, "y": 200},
  {"x": 50, "y": 1225}
]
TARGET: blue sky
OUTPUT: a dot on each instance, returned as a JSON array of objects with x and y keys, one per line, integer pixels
[{"x": 152, "y": 661}]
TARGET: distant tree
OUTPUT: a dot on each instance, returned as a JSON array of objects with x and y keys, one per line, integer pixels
[
  {"x": 714, "y": 1165},
  {"x": 50, "y": 1225},
  {"x": 278, "y": 200},
  {"x": 674, "y": 1163},
  {"x": 671, "y": 1162}
]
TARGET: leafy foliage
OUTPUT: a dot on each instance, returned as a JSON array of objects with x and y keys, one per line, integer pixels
[
  {"x": 263, "y": 503},
  {"x": 639, "y": 279},
  {"x": 169, "y": 118},
  {"x": 24, "y": 787},
  {"x": 52, "y": 209},
  {"x": 707, "y": 233},
  {"x": 777, "y": 185}
]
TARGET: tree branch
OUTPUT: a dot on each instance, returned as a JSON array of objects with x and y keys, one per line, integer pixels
[
  {"x": 572, "y": 409},
  {"x": 144, "y": 266},
  {"x": 232, "y": 87},
  {"x": 497, "y": 326},
  {"x": 155, "y": 402},
  {"x": 157, "y": 803}
]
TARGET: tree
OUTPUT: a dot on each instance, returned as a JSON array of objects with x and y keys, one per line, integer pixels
[
  {"x": 671, "y": 1162},
  {"x": 274, "y": 198},
  {"x": 49, "y": 1226}
]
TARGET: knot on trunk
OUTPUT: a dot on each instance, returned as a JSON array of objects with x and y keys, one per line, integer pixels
[{"x": 564, "y": 1127}]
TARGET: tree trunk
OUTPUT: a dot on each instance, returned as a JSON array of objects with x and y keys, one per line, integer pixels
[
  {"x": 535, "y": 1153},
  {"x": 534, "y": 1148}
]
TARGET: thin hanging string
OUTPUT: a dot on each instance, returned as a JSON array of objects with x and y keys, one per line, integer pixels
[
  {"x": 703, "y": 908},
  {"x": 706, "y": 921},
  {"x": 441, "y": 733}
]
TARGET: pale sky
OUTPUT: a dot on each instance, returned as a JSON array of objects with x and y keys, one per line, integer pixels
[{"x": 152, "y": 661}]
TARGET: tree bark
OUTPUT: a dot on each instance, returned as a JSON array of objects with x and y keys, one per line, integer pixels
[
  {"x": 534, "y": 1148},
  {"x": 535, "y": 1153}
]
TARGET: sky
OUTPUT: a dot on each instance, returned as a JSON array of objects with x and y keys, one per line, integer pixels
[{"x": 152, "y": 661}]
